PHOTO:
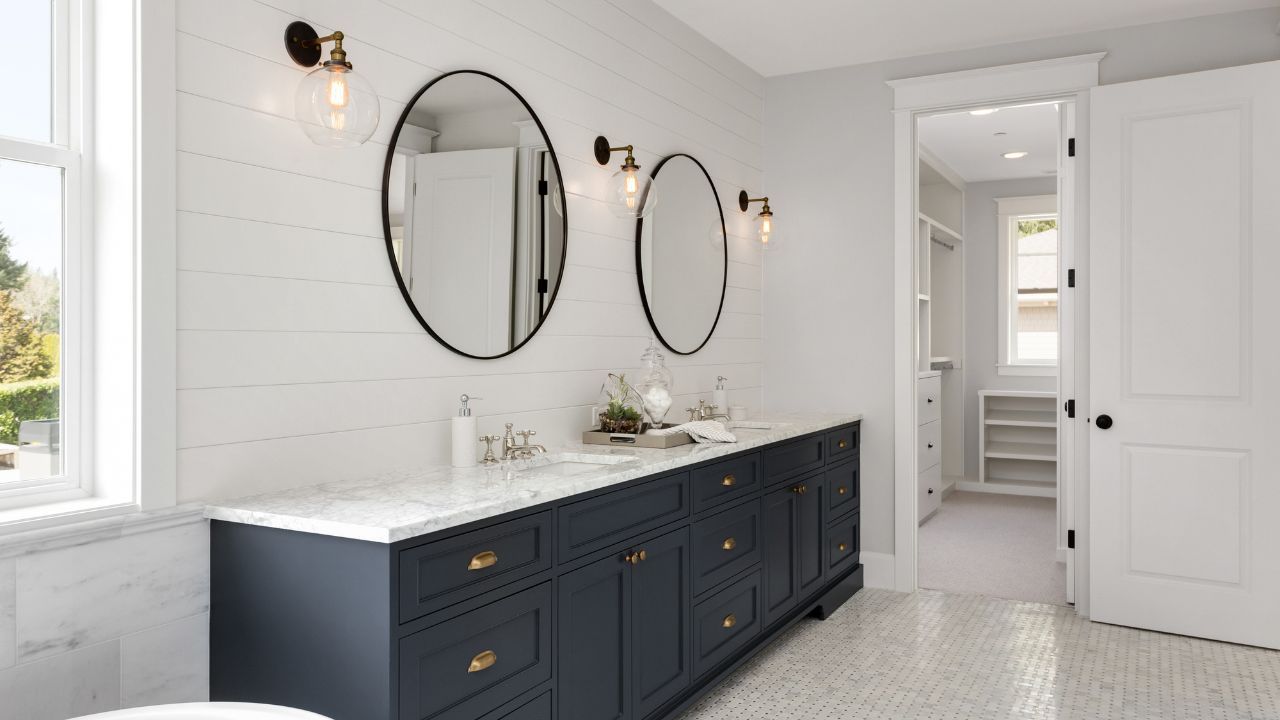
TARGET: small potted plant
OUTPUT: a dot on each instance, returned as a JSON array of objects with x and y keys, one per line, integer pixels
[{"x": 622, "y": 411}]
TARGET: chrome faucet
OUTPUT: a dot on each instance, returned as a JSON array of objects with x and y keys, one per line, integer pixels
[{"x": 525, "y": 451}]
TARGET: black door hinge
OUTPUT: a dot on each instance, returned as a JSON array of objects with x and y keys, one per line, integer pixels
[
  {"x": 1071, "y": 539},
  {"x": 542, "y": 187},
  {"x": 1071, "y": 408},
  {"x": 1071, "y": 147},
  {"x": 1071, "y": 277},
  {"x": 543, "y": 286}
]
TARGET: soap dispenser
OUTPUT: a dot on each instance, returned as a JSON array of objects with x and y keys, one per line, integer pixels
[
  {"x": 720, "y": 396},
  {"x": 464, "y": 435}
]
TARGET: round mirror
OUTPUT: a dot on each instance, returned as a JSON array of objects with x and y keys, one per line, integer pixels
[
  {"x": 682, "y": 257},
  {"x": 474, "y": 214}
]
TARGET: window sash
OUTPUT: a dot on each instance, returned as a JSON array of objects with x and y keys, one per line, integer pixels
[{"x": 1013, "y": 289}]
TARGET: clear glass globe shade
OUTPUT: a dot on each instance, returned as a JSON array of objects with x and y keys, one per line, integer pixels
[
  {"x": 632, "y": 194},
  {"x": 767, "y": 231},
  {"x": 336, "y": 107}
]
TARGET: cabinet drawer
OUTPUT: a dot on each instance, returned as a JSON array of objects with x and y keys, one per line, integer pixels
[
  {"x": 929, "y": 399},
  {"x": 930, "y": 491},
  {"x": 538, "y": 708},
  {"x": 844, "y": 491},
  {"x": 593, "y": 524},
  {"x": 725, "y": 481},
  {"x": 725, "y": 622},
  {"x": 842, "y": 443},
  {"x": 929, "y": 445},
  {"x": 441, "y": 573},
  {"x": 794, "y": 458},
  {"x": 843, "y": 544},
  {"x": 724, "y": 545},
  {"x": 477, "y": 661}
]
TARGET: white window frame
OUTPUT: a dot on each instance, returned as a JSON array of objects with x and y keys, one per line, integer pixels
[
  {"x": 1008, "y": 210},
  {"x": 119, "y": 329}
]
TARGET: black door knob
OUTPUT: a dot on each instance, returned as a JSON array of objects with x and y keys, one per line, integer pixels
[
  {"x": 1103, "y": 422},
  {"x": 930, "y": 491}
]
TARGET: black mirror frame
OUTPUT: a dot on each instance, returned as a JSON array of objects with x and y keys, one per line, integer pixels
[
  {"x": 724, "y": 283},
  {"x": 386, "y": 214}
]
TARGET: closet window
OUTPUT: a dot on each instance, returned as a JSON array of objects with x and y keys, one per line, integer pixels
[{"x": 1029, "y": 285}]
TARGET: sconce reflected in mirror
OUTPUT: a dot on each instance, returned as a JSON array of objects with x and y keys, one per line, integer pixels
[
  {"x": 335, "y": 106},
  {"x": 631, "y": 195},
  {"x": 765, "y": 228}
]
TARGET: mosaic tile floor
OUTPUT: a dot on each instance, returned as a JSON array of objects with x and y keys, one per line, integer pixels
[{"x": 941, "y": 656}]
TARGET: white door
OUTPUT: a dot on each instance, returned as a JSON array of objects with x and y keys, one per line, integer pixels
[
  {"x": 463, "y": 235},
  {"x": 1184, "y": 256}
]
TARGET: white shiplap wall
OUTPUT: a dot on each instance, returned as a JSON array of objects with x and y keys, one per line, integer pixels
[{"x": 297, "y": 360}]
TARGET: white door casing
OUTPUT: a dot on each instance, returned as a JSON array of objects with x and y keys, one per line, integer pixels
[
  {"x": 462, "y": 236},
  {"x": 1185, "y": 486}
]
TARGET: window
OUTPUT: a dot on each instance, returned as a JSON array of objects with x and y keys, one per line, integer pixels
[
  {"x": 40, "y": 253},
  {"x": 1028, "y": 285}
]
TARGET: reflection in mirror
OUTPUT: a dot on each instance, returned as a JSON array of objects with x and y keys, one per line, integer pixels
[
  {"x": 682, "y": 257},
  {"x": 474, "y": 214}
]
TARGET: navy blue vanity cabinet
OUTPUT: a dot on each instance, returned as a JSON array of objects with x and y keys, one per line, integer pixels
[
  {"x": 624, "y": 603},
  {"x": 624, "y": 631}
]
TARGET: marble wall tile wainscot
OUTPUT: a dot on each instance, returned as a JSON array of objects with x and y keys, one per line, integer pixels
[
  {"x": 71, "y": 684},
  {"x": 167, "y": 664},
  {"x": 104, "y": 614}
]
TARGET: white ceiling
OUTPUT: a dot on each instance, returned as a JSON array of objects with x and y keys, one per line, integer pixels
[
  {"x": 776, "y": 38},
  {"x": 969, "y": 145}
]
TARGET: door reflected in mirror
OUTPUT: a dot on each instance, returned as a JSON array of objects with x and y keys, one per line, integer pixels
[
  {"x": 682, "y": 256},
  {"x": 474, "y": 214}
]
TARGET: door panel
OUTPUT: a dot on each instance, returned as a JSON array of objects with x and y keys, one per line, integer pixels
[
  {"x": 1183, "y": 246},
  {"x": 660, "y": 621},
  {"x": 779, "y": 560},
  {"x": 811, "y": 533},
  {"x": 594, "y": 677}
]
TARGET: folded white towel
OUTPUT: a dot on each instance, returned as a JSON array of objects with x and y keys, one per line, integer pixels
[{"x": 703, "y": 431}]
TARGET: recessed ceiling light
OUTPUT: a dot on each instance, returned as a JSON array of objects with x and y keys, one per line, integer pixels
[
  {"x": 984, "y": 111},
  {"x": 999, "y": 134},
  {"x": 1015, "y": 155}
]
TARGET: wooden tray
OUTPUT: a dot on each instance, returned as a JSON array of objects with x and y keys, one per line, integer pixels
[{"x": 644, "y": 440}]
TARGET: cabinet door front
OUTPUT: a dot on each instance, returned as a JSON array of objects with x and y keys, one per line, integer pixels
[
  {"x": 594, "y": 653},
  {"x": 780, "y": 591},
  {"x": 660, "y": 621},
  {"x": 811, "y": 535}
]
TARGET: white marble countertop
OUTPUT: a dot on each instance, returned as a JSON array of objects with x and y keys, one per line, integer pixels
[{"x": 398, "y": 505}]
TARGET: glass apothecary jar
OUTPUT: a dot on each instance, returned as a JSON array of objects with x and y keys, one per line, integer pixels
[{"x": 654, "y": 383}]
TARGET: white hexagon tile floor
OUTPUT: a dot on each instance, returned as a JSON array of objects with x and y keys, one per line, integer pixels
[{"x": 933, "y": 655}]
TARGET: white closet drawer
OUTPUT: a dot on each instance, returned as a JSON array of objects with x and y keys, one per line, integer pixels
[
  {"x": 929, "y": 399},
  {"x": 930, "y": 491},
  {"x": 929, "y": 445}
]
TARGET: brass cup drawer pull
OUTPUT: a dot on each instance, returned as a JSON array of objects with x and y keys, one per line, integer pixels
[
  {"x": 729, "y": 480},
  {"x": 843, "y": 490},
  {"x": 843, "y": 444},
  {"x": 482, "y": 560},
  {"x": 729, "y": 544},
  {"x": 729, "y": 620},
  {"x": 636, "y": 557},
  {"x": 483, "y": 661}
]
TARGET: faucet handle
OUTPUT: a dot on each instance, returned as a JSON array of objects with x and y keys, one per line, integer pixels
[
  {"x": 526, "y": 434},
  {"x": 489, "y": 457}
]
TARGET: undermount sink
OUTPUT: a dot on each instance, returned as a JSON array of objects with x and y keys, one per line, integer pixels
[
  {"x": 756, "y": 425},
  {"x": 566, "y": 464}
]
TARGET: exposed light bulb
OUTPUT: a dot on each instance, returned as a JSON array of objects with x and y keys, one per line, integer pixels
[
  {"x": 338, "y": 93},
  {"x": 633, "y": 185}
]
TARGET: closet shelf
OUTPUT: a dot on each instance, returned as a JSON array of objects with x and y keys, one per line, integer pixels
[
  {"x": 1023, "y": 418},
  {"x": 946, "y": 232},
  {"x": 1022, "y": 451}
]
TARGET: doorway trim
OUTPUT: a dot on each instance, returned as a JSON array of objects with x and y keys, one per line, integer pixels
[{"x": 1058, "y": 78}]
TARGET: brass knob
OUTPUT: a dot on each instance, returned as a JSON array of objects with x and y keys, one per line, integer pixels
[
  {"x": 483, "y": 661},
  {"x": 843, "y": 444},
  {"x": 729, "y": 544},
  {"x": 842, "y": 547},
  {"x": 729, "y": 480},
  {"x": 842, "y": 490},
  {"x": 730, "y": 620},
  {"x": 800, "y": 489},
  {"x": 480, "y": 561},
  {"x": 636, "y": 557}
]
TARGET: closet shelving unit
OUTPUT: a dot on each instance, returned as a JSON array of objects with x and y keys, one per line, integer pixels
[{"x": 1018, "y": 434}]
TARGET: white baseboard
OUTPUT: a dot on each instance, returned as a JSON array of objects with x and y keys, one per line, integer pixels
[{"x": 877, "y": 570}]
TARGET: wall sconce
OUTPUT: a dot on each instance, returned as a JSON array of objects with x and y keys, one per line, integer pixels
[
  {"x": 631, "y": 195},
  {"x": 335, "y": 106},
  {"x": 763, "y": 221}
]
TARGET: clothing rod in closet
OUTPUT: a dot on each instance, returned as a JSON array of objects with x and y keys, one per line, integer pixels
[{"x": 948, "y": 246}]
